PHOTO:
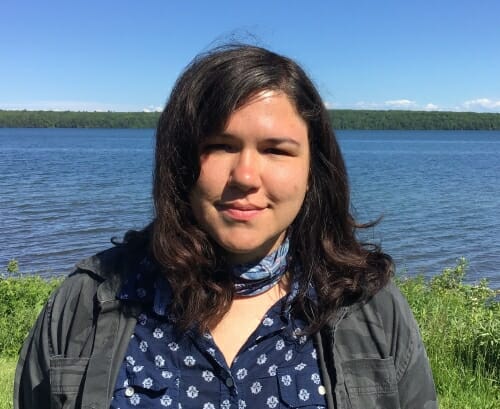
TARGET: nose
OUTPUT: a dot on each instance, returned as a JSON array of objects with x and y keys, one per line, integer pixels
[{"x": 245, "y": 172}]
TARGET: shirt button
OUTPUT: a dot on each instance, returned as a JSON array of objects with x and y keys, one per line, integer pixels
[
  {"x": 321, "y": 390},
  {"x": 129, "y": 391},
  {"x": 229, "y": 382}
]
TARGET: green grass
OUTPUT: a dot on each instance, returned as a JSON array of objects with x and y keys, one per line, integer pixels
[
  {"x": 22, "y": 299},
  {"x": 7, "y": 368},
  {"x": 460, "y": 325}
]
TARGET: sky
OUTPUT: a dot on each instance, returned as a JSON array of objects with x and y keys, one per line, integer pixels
[{"x": 111, "y": 55}]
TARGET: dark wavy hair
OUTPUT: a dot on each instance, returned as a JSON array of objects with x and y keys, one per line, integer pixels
[{"x": 324, "y": 247}]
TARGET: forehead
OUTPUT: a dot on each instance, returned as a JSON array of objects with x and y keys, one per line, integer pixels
[
  {"x": 265, "y": 96},
  {"x": 268, "y": 115},
  {"x": 258, "y": 104}
]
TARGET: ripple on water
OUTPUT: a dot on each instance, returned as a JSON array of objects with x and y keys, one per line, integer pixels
[{"x": 65, "y": 193}]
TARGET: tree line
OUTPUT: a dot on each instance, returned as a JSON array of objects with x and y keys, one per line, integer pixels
[
  {"x": 77, "y": 119},
  {"x": 414, "y": 120},
  {"x": 341, "y": 119}
]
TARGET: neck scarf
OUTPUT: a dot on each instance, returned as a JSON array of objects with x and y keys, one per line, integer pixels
[{"x": 255, "y": 278}]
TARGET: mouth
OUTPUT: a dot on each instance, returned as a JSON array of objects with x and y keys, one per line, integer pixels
[{"x": 240, "y": 211}]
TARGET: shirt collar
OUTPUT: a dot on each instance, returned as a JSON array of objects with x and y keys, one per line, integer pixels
[{"x": 147, "y": 287}]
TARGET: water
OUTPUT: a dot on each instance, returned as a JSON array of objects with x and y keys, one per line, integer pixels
[{"x": 65, "y": 192}]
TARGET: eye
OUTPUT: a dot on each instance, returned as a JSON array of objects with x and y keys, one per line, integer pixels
[{"x": 277, "y": 151}]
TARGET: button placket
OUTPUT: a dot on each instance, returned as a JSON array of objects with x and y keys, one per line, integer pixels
[{"x": 229, "y": 382}]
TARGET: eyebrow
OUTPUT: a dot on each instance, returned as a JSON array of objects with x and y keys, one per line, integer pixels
[
  {"x": 278, "y": 141},
  {"x": 273, "y": 140}
]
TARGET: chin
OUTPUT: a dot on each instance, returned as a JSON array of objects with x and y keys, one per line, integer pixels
[
  {"x": 242, "y": 249},
  {"x": 248, "y": 251}
]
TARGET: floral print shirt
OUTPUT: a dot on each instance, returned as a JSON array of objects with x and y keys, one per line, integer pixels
[{"x": 276, "y": 368}]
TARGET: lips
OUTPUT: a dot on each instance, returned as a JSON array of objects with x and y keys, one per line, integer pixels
[{"x": 240, "y": 211}]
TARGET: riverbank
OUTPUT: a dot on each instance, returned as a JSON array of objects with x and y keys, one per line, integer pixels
[{"x": 460, "y": 325}]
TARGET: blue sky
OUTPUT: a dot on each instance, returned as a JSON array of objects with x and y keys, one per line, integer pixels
[{"x": 125, "y": 55}]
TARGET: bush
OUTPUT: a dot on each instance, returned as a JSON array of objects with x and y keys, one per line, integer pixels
[
  {"x": 460, "y": 325},
  {"x": 22, "y": 299}
]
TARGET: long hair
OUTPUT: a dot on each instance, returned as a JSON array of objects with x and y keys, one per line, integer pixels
[{"x": 324, "y": 249}]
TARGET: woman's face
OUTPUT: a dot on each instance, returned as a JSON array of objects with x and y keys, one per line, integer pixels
[{"x": 253, "y": 177}]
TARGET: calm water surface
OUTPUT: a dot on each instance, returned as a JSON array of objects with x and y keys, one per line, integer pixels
[{"x": 65, "y": 192}]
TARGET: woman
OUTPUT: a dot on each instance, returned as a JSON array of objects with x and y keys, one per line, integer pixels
[{"x": 249, "y": 289}]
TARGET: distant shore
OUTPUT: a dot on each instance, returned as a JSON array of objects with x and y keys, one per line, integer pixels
[{"x": 342, "y": 119}]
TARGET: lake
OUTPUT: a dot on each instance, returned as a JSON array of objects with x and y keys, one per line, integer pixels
[{"x": 65, "y": 192}]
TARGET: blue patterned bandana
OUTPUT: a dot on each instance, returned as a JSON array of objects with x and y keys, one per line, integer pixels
[{"x": 255, "y": 278}]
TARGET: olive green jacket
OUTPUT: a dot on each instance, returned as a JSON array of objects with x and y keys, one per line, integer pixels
[{"x": 371, "y": 355}]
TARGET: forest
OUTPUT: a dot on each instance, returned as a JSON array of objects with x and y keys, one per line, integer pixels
[{"x": 341, "y": 119}]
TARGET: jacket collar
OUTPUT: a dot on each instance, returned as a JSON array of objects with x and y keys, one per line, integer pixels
[{"x": 109, "y": 267}]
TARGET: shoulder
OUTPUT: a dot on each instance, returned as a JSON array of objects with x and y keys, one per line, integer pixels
[
  {"x": 71, "y": 309},
  {"x": 103, "y": 272},
  {"x": 390, "y": 305},
  {"x": 389, "y": 317},
  {"x": 381, "y": 327},
  {"x": 387, "y": 305},
  {"x": 68, "y": 318},
  {"x": 66, "y": 326},
  {"x": 385, "y": 327},
  {"x": 378, "y": 345}
]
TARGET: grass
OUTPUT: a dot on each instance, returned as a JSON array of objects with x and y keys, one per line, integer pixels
[
  {"x": 460, "y": 325},
  {"x": 22, "y": 299},
  {"x": 7, "y": 368}
]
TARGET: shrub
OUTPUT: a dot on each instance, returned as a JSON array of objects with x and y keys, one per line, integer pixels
[
  {"x": 460, "y": 326},
  {"x": 22, "y": 299}
]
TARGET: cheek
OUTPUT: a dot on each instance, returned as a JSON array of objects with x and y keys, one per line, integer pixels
[
  {"x": 210, "y": 183},
  {"x": 201, "y": 205},
  {"x": 300, "y": 189},
  {"x": 300, "y": 194},
  {"x": 290, "y": 186}
]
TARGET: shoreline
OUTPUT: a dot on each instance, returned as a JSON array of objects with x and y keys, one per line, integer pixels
[{"x": 341, "y": 119}]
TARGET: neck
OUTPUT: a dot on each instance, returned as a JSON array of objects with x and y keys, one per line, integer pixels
[{"x": 256, "y": 278}]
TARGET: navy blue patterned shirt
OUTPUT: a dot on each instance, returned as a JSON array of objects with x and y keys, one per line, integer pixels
[{"x": 276, "y": 368}]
